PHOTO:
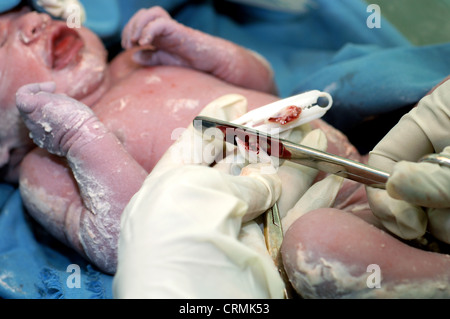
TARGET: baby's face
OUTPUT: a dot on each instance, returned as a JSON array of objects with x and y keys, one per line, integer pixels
[{"x": 35, "y": 48}]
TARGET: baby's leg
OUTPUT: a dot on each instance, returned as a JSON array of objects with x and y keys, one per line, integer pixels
[
  {"x": 106, "y": 175},
  {"x": 330, "y": 253},
  {"x": 175, "y": 44},
  {"x": 50, "y": 194}
]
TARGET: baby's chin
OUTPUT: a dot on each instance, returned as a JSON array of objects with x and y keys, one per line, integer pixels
[
  {"x": 85, "y": 81},
  {"x": 85, "y": 78}
]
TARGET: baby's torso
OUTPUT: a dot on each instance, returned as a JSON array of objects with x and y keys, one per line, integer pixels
[{"x": 144, "y": 108}]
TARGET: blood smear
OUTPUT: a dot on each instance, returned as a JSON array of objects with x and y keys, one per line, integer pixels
[{"x": 287, "y": 115}]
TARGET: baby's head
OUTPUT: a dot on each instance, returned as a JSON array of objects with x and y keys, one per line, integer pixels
[{"x": 34, "y": 48}]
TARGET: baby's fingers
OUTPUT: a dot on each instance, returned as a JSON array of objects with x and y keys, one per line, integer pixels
[
  {"x": 26, "y": 96},
  {"x": 133, "y": 30}
]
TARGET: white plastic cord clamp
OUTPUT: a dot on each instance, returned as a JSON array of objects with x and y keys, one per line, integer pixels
[{"x": 293, "y": 111}]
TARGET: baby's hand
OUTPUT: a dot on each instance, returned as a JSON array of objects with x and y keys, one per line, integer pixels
[
  {"x": 144, "y": 26},
  {"x": 164, "y": 41},
  {"x": 55, "y": 121}
]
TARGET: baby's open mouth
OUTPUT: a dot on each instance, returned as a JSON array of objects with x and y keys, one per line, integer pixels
[{"x": 66, "y": 45}]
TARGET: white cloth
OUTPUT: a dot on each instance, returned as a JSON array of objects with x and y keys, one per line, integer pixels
[{"x": 63, "y": 8}]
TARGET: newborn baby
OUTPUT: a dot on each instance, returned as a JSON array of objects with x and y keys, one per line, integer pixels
[
  {"x": 34, "y": 48},
  {"x": 79, "y": 199},
  {"x": 115, "y": 121}
]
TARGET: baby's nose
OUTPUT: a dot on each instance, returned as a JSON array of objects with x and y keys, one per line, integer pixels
[{"x": 32, "y": 25}]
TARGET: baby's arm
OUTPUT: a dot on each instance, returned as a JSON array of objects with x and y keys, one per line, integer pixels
[
  {"x": 106, "y": 175},
  {"x": 167, "y": 42}
]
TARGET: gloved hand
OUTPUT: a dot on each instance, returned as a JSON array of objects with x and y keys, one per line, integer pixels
[
  {"x": 417, "y": 195},
  {"x": 63, "y": 8},
  {"x": 182, "y": 234}
]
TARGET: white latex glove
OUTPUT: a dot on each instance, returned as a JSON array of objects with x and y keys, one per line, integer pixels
[
  {"x": 63, "y": 8},
  {"x": 182, "y": 235},
  {"x": 417, "y": 195}
]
